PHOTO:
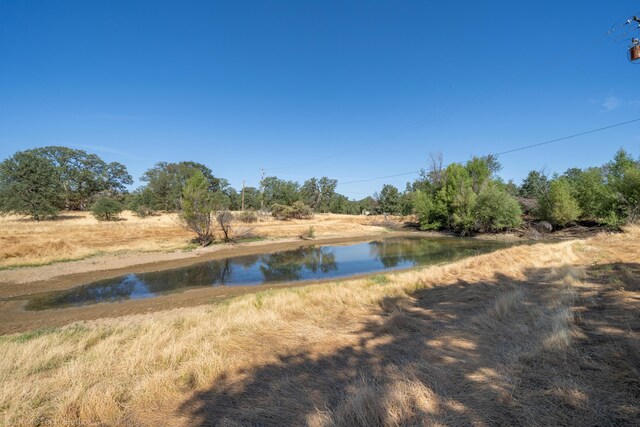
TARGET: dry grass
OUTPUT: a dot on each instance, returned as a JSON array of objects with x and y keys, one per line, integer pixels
[
  {"x": 535, "y": 335},
  {"x": 77, "y": 235}
]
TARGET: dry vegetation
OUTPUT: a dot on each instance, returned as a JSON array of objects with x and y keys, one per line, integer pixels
[
  {"x": 534, "y": 335},
  {"x": 77, "y": 235}
]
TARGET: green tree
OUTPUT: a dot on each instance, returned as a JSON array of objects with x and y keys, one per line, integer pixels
[
  {"x": 558, "y": 206},
  {"x": 389, "y": 200},
  {"x": 317, "y": 193},
  {"x": 628, "y": 188},
  {"x": 106, "y": 209},
  {"x": 496, "y": 210},
  {"x": 197, "y": 204},
  {"x": 595, "y": 197},
  {"x": 432, "y": 213},
  {"x": 459, "y": 198},
  {"x": 251, "y": 199},
  {"x": 622, "y": 161},
  {"x": 279, "y": 191},
  {"x": 407, "y": 202},
  {"x": 480, "y": 170},
  {"x": 167, "y": 180},
  {"x": 83, "y": 176},
  {"x": 535, "y": 185},
  {"x": 30, "y": 185}
]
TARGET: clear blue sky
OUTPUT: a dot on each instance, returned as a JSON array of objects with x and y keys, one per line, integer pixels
[{"x": 307, "y": 86}]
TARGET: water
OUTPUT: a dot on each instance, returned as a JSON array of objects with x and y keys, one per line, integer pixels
[{"x": 304, "y": 263}]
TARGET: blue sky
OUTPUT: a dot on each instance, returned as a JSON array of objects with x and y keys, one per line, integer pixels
[{"x": 306, "y": 88}]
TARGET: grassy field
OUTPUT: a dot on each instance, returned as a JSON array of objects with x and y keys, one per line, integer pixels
[
  {"x": 531, "y": 335},
  {"x": 77, "y": 235}
]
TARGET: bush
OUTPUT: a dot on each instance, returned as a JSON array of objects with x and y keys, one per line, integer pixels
[
  {"x": 279, "y": 211},
  {"x": 309, "y": 234},
  {"x": 301, "y": 211},
  {"x": 298, "y": 211},
  {"x": 143, "y": 211},
  {"x": 106, "y": 209},
  {"x": 197, "y": 205},
  {"x": 30, "y": 185},
  {"x": 558, "y": 206},
  {"x": 431, "y": 213},
  {"x": 496, "y": 210},
  {"x": 247, "y": 217},
  {"x": 225, "y": 220}
]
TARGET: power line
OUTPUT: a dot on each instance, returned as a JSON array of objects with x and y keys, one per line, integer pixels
[
  {"x": 380, "y": 177},
  {"x": 440, "y": 114},
  {"x": 568, "y": 137},
  {"x": 525, "y": 147}
]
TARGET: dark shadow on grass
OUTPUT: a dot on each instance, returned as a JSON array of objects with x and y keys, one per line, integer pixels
[
  {"x": 65, "y": 217},
  {"x": 451, "y": 355}
]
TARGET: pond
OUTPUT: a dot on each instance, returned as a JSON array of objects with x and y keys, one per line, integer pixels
[{"x": 303, "y": 264}]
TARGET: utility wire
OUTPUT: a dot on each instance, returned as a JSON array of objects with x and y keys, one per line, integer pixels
[
  {"x": 525, "y": 147},
  {"x": 380, "y": 177},
  {"x": 440, "y": 114},
  {"x": 567, "y": 137}
]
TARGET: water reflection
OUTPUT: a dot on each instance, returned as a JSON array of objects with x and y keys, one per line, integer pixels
[{"x": 304, "y": 263}]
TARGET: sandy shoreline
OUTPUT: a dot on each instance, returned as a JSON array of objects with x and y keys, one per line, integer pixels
[{"x": 18, "y": 284}]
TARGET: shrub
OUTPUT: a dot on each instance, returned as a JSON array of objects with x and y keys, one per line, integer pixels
[
  {"x": 558, "y": 206},
  {"x": 143, "y": 211},
  {"x": 309, "y": 234},
  {"x": 106, "y": 209},
  {"x": 247, "y": 217},
  {"x": 197, "y": 205},
  {"x": 496, "y": 210},
  {"x": 225, "y": 220},
  {"x": 279, "y": 211},
  {"x": 30, "y": 185},
  {"x": 431, "y": 213},
  {"x": 298, "y": 211},
  {"x": 301, "y": 211}
]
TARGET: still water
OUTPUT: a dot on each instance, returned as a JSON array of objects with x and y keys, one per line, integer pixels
[{"x": 304, "y": 263}]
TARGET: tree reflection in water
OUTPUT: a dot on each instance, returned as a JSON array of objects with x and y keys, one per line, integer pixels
[{"x": 304, "y": 263}]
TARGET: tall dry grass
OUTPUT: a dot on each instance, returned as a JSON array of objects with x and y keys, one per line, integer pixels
[
  {"x": 495, "y": 338},
  {"x": 77, "y": 235}
]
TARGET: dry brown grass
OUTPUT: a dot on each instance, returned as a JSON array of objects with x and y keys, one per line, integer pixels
[
  {"x": 535, "y": 335},
  {"x": 77, "y": 235}
]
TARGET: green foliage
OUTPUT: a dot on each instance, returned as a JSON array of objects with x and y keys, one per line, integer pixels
[
  {"x": 143, "y": 211},
  {"x": 558, "y": 206},
  {"x": 166, "y": 181},
  {"x": 431, "y": 211},
  {"x": 297, "y": 211},
  {"x": 466, "y": 198},
  {"x": 279, "y": 191},
  {"x": 628, "y": 188},
  {"x": 106, "y": 209},
  {"x": 589, "y": 188},
  {"x": 30, "y": 185},
  {"x": 279, "y": 211},
  {"x": 407, "y": 202},
  {"x": 301, "y": 211},
  {"x": 247, "y": 217},
  {"x": 141, "y": 197},
  {"x": 197, "y": 204},
  {"x": 225, "y": 219},
  {"x": 389, "y": 200},
  {"x": 310, "y": 233},
  {"x": 534, "y": 186},
  {"x": 84, "y": 176},
  {"x": 318, "y": 193},
  {"x": 496, "y": 210}
]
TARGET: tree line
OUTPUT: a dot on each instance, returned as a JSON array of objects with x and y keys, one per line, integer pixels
[{"x": 463, "y": 197}]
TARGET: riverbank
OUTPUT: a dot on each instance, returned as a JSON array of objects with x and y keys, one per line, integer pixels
[
  {"x": 52, "y": 255},
  {"x": 547, "y": 332}
]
